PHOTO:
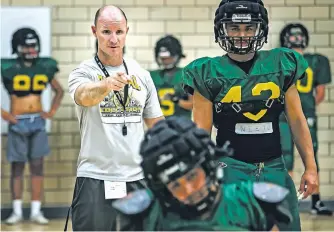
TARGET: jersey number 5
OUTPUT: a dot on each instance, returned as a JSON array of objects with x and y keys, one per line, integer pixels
[
  {"x": 309, "y": 82},
  {"x": 234, "y": 95},
  {"x": 168, "y": 108},
  {"x": 24, "y": 82}
]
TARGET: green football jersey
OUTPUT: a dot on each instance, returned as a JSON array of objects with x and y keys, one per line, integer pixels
[
  {"x": 169, "y": 85},
  {"x": 317, "y": 73},
  {"x": 22, "y": 81},
  {"x": 238, "y": 209},
  {"x": 246, "y": 106}
]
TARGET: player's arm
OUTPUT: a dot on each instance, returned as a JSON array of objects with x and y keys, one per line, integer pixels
[
  {"x": 301, "y": 135},
  {"x": 324, "y": 76},
  {"x": 186, "y": 104},
  {"x": 59, "y": 94},
  {"x": 8, "y": 116},
  {"x": 195, "y": 83},
  {"x": 275, "y": 228},
  {"x": 202, "y": 111},
  {"x": 319, "y": 94}
]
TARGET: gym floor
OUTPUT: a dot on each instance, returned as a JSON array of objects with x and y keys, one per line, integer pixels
[{"x": 309, "y": 223}]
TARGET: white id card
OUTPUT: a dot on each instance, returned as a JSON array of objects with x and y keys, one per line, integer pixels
[
  {"x": 254, "y": 128},
  {"x": 114, "y": 190}
]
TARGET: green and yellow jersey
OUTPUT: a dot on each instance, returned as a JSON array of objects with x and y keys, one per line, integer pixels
[
  {"x": 22, "y": 81},
  {"x": 317, "y": 73},
  {"x": 166, "y": 84},
  {"x": 246, "y": 106}
]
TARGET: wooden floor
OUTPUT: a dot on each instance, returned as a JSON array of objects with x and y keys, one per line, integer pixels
[{"x": 309, "y": 223}]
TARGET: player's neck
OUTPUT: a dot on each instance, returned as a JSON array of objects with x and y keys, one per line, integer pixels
[
  {"x": 299, "y": 50},
  {"x": 110, "y": 60},
  {"x": 241, "y": 58},
  {"x": 27, "y": 64},
  {"x": 170, "y": 72}
]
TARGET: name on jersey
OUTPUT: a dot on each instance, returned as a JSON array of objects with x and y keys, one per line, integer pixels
[{"x": 254, "y": 128}]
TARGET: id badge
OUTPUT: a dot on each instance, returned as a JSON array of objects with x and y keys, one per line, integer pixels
[{"x": 114, "y": 190}]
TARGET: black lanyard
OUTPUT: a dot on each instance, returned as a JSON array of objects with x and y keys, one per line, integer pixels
[{"x": 118, "y": 95}]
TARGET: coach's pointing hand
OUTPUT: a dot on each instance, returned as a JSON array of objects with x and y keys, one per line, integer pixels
[{"x": 117, "y": 81}]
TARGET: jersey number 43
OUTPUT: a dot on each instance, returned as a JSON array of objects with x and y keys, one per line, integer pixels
[{"x": 234, "y": 95}]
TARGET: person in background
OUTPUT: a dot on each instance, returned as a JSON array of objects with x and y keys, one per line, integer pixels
[
  {"x": 167, "y": 79},
  {"x": 25, "y": 78},
  {"x": 311, "y": 91}
]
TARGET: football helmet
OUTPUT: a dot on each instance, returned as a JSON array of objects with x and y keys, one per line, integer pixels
[
  {"x": 235, "y": 12},
  {"x": 168, "y": 52},
  {"x": 294, "y": 35},
  {"x": 26, "y": 44},
  {"x": 170, "y": 150}
]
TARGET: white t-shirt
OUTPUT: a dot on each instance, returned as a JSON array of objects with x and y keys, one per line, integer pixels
[{"x": 106, "y": 154}]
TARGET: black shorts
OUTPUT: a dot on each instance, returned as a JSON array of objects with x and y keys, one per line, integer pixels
[{"x": 92, "y": 212}]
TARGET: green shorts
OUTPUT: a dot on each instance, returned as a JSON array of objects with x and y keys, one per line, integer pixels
[{"x": 288, "y": 145}]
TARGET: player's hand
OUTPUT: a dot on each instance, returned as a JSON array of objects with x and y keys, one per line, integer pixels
[
  {"x": 171, "y": 97},
  {"x": 167, "y": 96},
  {"x": 308, "y": 183},
  {"x": 9, "y": 118},
  {"x": 46, "y": 115},
  {"x": 117, "y": 81}
]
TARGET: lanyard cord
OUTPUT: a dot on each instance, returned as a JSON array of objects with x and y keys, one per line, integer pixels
[{"x": 118, "y": 95}]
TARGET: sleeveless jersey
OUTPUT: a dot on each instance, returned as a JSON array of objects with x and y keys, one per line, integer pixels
[
  {"x": 246, "y": 107},
  {"x": 22, "y": 81}
]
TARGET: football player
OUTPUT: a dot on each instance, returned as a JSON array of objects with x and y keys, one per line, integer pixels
[
  {"x": 167, "y": 79},
  {"x": 25, "y": 78},
  {"x": 311, "y": 92},
  {"x": 181, "y": 166},
  {"x": 243, "y": 93}
]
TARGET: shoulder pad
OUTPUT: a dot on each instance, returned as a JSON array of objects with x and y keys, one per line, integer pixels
[
  {"x": 134, "y": 203},
  {"x": 269, "y": 192},
  {"x": 198, "y": 62},
  {"x": 48, "y": 61},
  {"x": 7, "y": 63}
]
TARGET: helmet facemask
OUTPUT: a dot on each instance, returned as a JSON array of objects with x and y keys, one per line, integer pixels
[
  {"x": 170, "y": 168},
  {"x": 192, "y": 184},
  {"x": 241, "y": 44},
  {"x": 26, "y": 44},
  {"x": 172, "y": 150},
  {"x": 28, "y": 52},
  {"x": 295, "y": 37},
  {"x": 168, "y": 52},
  {"x": 232, "y": 24},
  {"x": 166, "y": 60}
]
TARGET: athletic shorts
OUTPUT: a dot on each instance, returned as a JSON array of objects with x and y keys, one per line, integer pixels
[{"x": 27, "y": 139}]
